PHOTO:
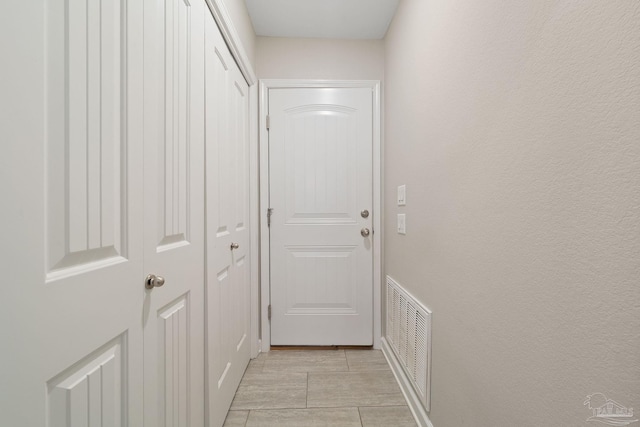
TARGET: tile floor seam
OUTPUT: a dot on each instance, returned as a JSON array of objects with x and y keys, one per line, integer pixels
[
  {"x": 379, "y": 406},
  {"x": 360, "y": 416},
  {"x": 313, "y": 409},
  {"x": 286, "y": 409},
  {"x": 306, "y": 397},
  {"x": 334, "y": 407}
]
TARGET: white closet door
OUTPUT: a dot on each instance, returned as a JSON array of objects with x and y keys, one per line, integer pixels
[
  {"x": 320, "y": 177},
  {"x": 71, "y": 260},
  {"x": 173, "y": 313},
  {"x": 227, "y": 160}
]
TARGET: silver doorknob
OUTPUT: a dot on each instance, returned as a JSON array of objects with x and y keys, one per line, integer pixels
[
  {"x": 153, "y": 281},
  {"x": 365, "y": 232},
  {"x": 234, "y": 246},
  {"x": 364, "y": 213}
]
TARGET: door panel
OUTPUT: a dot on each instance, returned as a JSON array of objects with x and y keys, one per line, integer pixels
[
  {"x": 174, "y": 150},
  {"x": 71, "y": 253},
  {"x": 320, "y": 168},
  {"x": 85, "y": 161},
  {"x": 330, "y": 279},
  {"x": 227, "y": 290},
  {"x": 174, "y": 212},
  {"x": 174, "y": 366},
  {"x": 91, "y": 393}
]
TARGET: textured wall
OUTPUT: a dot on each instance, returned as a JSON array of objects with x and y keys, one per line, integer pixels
[
  {"x": 516, "y": 128},
  {"x": 299, "y": 58}
]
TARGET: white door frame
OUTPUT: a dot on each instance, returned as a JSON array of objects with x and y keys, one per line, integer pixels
[{"x": 265, "y": 273}]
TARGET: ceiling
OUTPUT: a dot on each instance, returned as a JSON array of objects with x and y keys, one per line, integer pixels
[{"x": 335, "y": 19}]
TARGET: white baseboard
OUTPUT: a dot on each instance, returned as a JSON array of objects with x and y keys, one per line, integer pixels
[
  {"x": 258, "y": 349},
  {"x": 418, "y": 411}
]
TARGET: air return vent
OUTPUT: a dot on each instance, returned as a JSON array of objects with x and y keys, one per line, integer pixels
[{"x": 409, "y": 335}]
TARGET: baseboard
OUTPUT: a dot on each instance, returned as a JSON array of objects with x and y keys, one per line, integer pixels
[
  {"x": 319, "y": 347},
  {"x": 257, "y": 350},
  {"x": 418, "y": 411}
]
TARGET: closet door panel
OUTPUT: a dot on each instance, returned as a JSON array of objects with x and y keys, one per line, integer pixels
[
  {"x": 227, "y": 288},
  {"x": 173, "y": 310},
  {"x": 72, "y": 209}
]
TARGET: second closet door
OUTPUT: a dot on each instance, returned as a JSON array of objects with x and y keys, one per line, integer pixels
[
  {"x": 227, "y": 282},
  {"x": 173, "y": 217}
]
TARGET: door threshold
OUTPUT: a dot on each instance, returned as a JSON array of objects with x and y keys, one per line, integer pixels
[{"x": 320, "y": 347}]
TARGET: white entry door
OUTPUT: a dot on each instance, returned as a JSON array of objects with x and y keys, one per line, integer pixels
[
  {"x": 71, "y": 182},
  {"x": 173, "y": 309},
  {"x": 320, "y": 171},
  {"x": 227, "y": 219}
]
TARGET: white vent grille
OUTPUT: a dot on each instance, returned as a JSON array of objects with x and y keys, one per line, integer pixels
[{"x": 409, "y": 335}]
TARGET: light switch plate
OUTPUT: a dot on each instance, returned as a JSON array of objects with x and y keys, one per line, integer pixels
[
  {"x": 402, "y": 224},
  {"x": 402, "y": 195}
]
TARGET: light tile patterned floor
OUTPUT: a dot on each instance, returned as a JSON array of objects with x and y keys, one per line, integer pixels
[{"x": 319, "y": 388}]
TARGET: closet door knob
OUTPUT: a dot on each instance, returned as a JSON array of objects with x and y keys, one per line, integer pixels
[
  {"x": 365, "y": 232},
  {"x": 153, "y": 281},
  {"x": 234, "y": 246}
]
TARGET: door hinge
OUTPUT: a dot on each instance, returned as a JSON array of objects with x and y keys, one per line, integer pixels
[
  {"x": 269, "y": 312},
  {"x": 268, "y": 122},
  {"x": 269, "y": 213}
]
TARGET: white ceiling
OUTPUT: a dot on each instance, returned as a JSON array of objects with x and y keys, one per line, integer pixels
[{"x": 336, "y": 19}]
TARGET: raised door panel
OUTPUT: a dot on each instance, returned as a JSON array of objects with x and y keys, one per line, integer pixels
[
  {"x": 174, "y": 155},
  {"x": 173, "y": 363},
  {"x": 321, "y": 177},
  {"x": 172, "y": 107},
  {"x": 86, "y": 142},
  {"x": 241, "y": 316},
  {"x": 239, "y": 128},
  {"x": 321, "y": 280},
  {"x": 220, "y": 157},
  {"x": 218, "y": 322},
  {"x": 90, "y": 394}
]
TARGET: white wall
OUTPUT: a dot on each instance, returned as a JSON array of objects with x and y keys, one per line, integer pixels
[
  {"x": 516, "y": 128},
  {"x": 299, "y": 58}
]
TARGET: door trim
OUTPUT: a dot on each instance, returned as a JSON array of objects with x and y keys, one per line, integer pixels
[
  {"x": 265, "y": 273},
  {"x": 231, "y": 36}
]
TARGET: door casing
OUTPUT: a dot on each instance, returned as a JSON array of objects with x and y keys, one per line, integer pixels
[{"x": 265, "y": 273}]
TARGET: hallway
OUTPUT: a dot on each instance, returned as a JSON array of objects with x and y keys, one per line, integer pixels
[
  {"x": 189, "y": 183},
  {"x": 319, "y": 388}
]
